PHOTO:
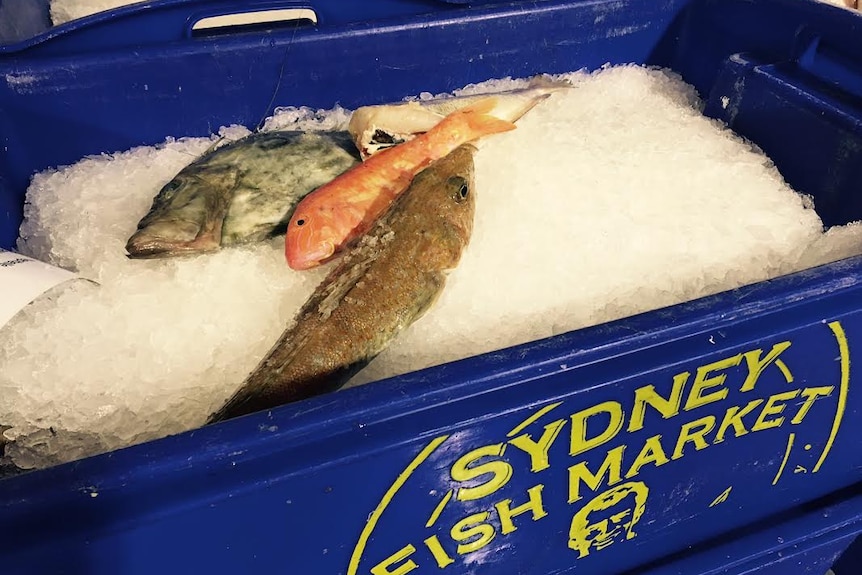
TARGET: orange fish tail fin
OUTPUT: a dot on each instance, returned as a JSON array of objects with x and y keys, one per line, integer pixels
[
  {"x": 483, "y": 124},
  {"x": 480, "y": 120}
]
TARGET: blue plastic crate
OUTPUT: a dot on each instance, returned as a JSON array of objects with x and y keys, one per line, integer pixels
[{"x": 717, "y": 436}]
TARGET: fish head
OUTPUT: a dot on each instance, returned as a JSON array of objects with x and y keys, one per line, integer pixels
[
  {"x": 311, "y": 237},
  {"x": 444, "y": 201},
  {"x": 458, "y": 192},
  {"x": 186, "y": 215}
]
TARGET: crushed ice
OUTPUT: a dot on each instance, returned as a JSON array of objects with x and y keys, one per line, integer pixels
[{"x": 609, "y": 199}]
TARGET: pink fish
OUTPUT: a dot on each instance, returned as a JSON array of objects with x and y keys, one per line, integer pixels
[{"x": 331, "y": 217}]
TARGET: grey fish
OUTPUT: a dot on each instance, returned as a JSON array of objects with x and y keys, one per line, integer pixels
[
  {"x": 387, "y": 281},
  {"x": 241, "y": 192}
]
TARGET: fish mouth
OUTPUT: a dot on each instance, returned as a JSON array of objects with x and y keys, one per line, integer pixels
[
  {"x": 322, "y": 254},
  {"x": 147, "y": 246}
]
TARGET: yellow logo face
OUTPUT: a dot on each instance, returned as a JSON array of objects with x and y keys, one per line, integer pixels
[
  {"x": 610, "y": 516},
  {"x": 591, "y": 474}
]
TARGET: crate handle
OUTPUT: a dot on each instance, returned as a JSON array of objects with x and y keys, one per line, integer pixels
[
  {"x": 243, "y": 20},
  {"x": 830, "y": 66}
]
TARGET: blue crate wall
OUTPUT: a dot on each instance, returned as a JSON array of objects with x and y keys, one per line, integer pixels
[{"x": 351, "y": 482}]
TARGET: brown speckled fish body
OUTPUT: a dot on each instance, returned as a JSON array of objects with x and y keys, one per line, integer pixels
[{"x": 385, "y": 283}]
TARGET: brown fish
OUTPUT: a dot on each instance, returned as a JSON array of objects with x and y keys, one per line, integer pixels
[{"x": 382, "y": 285}]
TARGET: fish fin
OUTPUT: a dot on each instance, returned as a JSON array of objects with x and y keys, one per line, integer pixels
[
  {"x": 422, "y": 305},
  {"x": 217, "y": 144},
  {"x": 217, "y": 205},
  {"x": 480, "y": 119},
  {"x": 484, "y": 124}
]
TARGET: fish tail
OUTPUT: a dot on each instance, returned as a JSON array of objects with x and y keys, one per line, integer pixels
[
  {"x": 483, "y": 124},
  {"x": 480, "y": 120}
]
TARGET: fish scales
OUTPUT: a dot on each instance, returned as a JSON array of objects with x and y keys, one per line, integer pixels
[
  {"x": 388, "y": 280},
  {"x": 240, "y": 192}
]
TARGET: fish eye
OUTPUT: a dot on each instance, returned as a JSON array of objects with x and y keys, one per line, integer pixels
[
  {"x": 461, "y": 186},
  {"x": 300, "y": 222},
  {"x": 172, "y": 186}
]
